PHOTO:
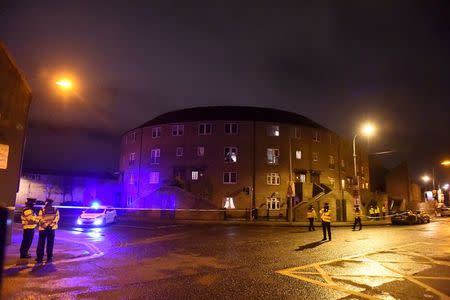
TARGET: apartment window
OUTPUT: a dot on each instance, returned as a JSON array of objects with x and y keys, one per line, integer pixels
[
  {"x": 302, "y": 178},
  {"x": 132, "y": 158},
  {"x": 316, "y": 136},
  {"x": 154, "y": 156},
  {"x": 298, "y": 154},
  {"x": 330, "y": 136},
  {"x": 343, "y": 183},
  {"x": 129, "y": 200},
  {"x": 230, "y": 154},
  {"x": 315, "y": 156},
  {"x": 296, "y": 133},
  {"x": 204, "y": 129},
  {"x": 273, "y": 203},
  {"x": 154, "y": 177},
  {"x": 228, "y": 202},
  {"x": 231, "y": 128},
  {"x": 133, "y": 136},
  {"x": 342, "y": 163},
  {"x": 273, "y": 179},
  {"x": 273, "y": 130},
  {"x": 177, "y": 130},
  {"x": 156, "y": 132},
  {"x": 273, "y": 156},
  {"x": 331, "y": 179},
  {"x": 200, "y": 151},
  {"x": 194, "y": 175},
  {"x": 131, "y": 179},
  {"x": 229, "y": 177},
  {"x": 180, "y": 151},
  {"x": 331, "y": 162}
]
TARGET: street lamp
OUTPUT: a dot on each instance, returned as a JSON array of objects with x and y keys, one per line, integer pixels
[
  {"x": 64, "y": 83},
  {"x": 445, "y": 163},
  {"x": 367, "y": 129}
]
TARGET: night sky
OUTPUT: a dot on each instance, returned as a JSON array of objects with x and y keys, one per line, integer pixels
[{"x": 336, "y": 62}]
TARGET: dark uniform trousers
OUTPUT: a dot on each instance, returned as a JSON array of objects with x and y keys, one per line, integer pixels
[
  {"x": 311, "y": 224},
  {"x": 27, "y": 239},
  {"x": 49, "y": 235},
  {"x": 357, "y": 221},
  {"x": 326, "y": 226}
]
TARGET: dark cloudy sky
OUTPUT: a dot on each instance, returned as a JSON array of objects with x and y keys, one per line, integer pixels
[{"x": 336, "y": 62}]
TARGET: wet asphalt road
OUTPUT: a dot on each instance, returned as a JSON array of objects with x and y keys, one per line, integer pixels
[{"x": 245, "y": 262}]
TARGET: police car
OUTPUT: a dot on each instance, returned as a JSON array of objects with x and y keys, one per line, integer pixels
[{"x": 97, "y": 216}]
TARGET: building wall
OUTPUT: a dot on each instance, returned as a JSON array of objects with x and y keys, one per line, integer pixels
[
  {"x": 83, "y": 190},
  {"x": 252, "y": 142}
]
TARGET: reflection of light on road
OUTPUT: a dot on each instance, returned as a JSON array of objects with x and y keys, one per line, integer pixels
[{"x": 96, "y": 234}]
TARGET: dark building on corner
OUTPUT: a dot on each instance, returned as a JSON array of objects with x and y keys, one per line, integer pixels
[{"x": 240, "y": 158}]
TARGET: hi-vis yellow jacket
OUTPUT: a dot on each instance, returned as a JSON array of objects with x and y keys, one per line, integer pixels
[
  {"x": 48, "y": 217},
  {"x": 325, "y": 215},
  {"x": 29, "y": 219},
  {"x": 311, "y": 214}
]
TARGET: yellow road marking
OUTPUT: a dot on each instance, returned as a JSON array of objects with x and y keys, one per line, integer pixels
[{"x": 296, "y": 272}]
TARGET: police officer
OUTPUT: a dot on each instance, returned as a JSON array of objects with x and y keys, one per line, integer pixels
[
  {"x": 29, "y": 222},
  {"x": 357, "y": 218},
  {"x": 311, "y": 215},
  {"x": 48, "y": 222},
  {"x": 325, "y": 216}
]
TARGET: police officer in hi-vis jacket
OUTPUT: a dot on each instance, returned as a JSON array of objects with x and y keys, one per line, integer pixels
[
  {"x": 29, "y": 222},
  {"x": 325, "y": 216},
  {"x": 48, "y": 222}
]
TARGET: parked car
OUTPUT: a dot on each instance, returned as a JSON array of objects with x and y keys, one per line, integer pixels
[
  {"x": 422, "y": 217},
  {"x": 445, "y": 211},
  {"x": 98, "y": 216},
  {"x": 404, "y": 217}
]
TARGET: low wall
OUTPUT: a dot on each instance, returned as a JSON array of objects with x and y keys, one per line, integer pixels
[{"x": 154, "y": 215}]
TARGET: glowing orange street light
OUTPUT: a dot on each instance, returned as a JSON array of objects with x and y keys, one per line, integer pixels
[
  {"x": 446, "y": 162},
  {"x": 426, "y": 178},
  {"x": 64, "y": 83}
]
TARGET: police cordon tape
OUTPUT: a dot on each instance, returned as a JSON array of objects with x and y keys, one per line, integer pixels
[{"x": 133, "y": 208}]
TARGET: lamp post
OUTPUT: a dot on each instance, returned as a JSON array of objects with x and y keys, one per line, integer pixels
[{"x": 367, "y": 130}]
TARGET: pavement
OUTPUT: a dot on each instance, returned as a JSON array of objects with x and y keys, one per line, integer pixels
[{"x": 239, "y": 261}]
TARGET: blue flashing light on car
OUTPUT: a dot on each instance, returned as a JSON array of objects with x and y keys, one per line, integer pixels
[{"x": 95, "y": 205}]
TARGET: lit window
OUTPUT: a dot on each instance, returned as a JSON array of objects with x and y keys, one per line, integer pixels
[
  {"x": 315, "y": 156},
  {"x": 156, "y": 132},
  {"x": 298, "y": 154},
  {"x": 342, "y": 163},
  {"x": 154, "y": 156},
  {"x": 273, "y": 179},
  {"x": 228, "y": 202},
  {"x": 273, "y": 156},
  {"x": 343, "y": 183},
  {"x": 204, "y": 129},
  {"x": 229, "y": 177},
  {"x": 132, "y": 158},
  {"x": 231, "y": 128},
  {"x": 177, "y": 130},
  {"x": 302, "y": 177},
  {"x": 200, "y": 151},
  {"x": 331, "y": 162},
  {"x": 316, "y": 136},
  {"x": 179, "y": 151},
  {"x": 273, "y": 203},
  {"x": 154, "y": 177},
  {"x": 273, "y": 130},
  {"x": 331, "y": 179},
  {"x": 133, "y": 136},
  {"x": 331, "y": 138},
  {"x": 131, "y": 179},
  {"x": 230, "y": 154},
  {"x": 194, "y": 175},
  {"x": 129, "y": 200}
]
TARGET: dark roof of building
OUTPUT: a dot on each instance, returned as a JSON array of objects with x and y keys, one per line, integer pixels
[
  {"x": 66, "y": 173},
  {"x": 232, "y": 113}
]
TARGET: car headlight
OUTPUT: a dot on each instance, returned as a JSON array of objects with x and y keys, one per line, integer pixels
[{"x": 98, "y": 221}]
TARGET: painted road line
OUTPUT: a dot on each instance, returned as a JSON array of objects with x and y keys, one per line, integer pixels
[
  {"x": 95, "y": 253},
  {"x": 328, "y": 282}
]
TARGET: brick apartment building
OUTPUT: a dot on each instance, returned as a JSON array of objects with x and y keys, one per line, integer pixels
[{"x": 240, "y": 158}]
